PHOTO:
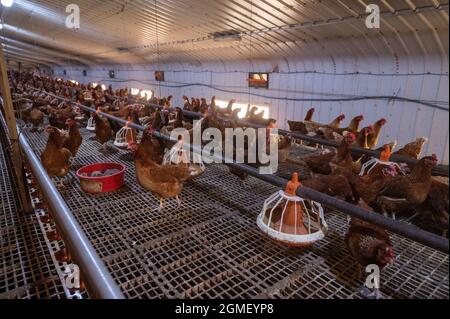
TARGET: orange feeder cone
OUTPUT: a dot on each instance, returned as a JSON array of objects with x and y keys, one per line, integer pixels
[
  {"x": 385, "y": 155},
  {"x": 290, "y": 219},
  {"x": 293, "y": 215}
]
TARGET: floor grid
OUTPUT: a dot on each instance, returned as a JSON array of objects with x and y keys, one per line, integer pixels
[
  {"x": 26, "y": 267},
  {"x": 212, "y": 248}
]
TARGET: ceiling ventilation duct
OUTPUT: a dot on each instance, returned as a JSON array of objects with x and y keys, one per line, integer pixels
[{"x": 226, "y": 36}]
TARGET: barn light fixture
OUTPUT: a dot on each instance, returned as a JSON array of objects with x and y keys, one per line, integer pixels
[
  {"x": 245, "y": 108},
  {"x": 147, "y": 94},
  {"x": 134, "y": 91},
  {"x": 226, "y": 36},
  {"x": 7, "y": 3}
]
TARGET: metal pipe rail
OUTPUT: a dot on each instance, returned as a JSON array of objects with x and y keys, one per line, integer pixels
[
  {"x": 97, "y": 277},
  {"x": 407, "y": 231}
]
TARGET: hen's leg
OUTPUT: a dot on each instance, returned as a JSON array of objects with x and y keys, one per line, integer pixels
[
  {"x": 242, "y": 182},
  {"x": 393, "y": 204},
  {"x": 178, "y": 201},
  {"x": 68, "y": 179},
  {"x": 75, "y": 162},
  {"x": 103, "y": 149},
  {"x": 412, "y": 217},
  {"x": 371, "y": 293},
  {"x": 375, "y": 294},
  {"x": 161, "y": 204},
  {"x": 385, "y": 214},
  {"x": 59, "y": 182}
]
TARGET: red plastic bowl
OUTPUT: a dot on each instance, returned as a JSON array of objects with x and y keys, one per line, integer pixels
[{"x": 106, "y": 184}]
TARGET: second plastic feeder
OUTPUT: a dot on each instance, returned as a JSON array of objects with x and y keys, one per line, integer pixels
[
  {"x": 125, "y": 136},
  {"x": 384, "y": 159},
  {"x": 90, "y": 124},
  {"x": 177, "y": 155}
]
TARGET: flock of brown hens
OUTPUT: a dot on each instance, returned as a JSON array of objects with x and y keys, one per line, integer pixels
[{"x": 387, "y": 188}]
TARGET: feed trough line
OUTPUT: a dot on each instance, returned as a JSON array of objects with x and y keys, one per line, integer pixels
[{"x": 407, "y": 231}]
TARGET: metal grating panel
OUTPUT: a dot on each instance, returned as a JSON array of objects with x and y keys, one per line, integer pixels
[
  {"x": 210, "y": 247},
  {"x": 26, "y": 267}
]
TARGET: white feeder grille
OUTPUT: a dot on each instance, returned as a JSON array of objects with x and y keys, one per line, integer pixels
[
  {"x": 368, "y": 166},
  {"x": 77, "y": 111},
  {"x": 177, "y": 155},
  {"x": 313, "y": 219},
  {"x": 90, "y": 124},
  {"x": 123, "y": 136},
  {"x": 211, "y": 247}
]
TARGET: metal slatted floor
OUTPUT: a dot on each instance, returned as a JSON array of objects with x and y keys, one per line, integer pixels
[
  {"x": 212, "y": 248},
  {"x": 26, "y": 267}
]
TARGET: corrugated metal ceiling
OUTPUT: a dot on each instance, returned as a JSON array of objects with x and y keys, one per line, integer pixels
[{"x": 178, "y": 30}]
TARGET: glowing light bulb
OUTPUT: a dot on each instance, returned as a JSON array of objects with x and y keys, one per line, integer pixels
[
  {"x": 7, "y": 3},
  {"x": 147, "y": 94}
]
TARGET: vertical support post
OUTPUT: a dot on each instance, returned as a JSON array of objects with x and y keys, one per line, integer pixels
[{"x": 13, "y": 135}]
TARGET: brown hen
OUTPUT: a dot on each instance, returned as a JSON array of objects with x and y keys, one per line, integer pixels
[
  {"x": 373, "y": 137},
  {"x": 164, "y": 181},
  {"x": 369, "y": 245},
  {"x": 407, "y": 192},
  {"x": 413, "y": 149},
  {"x": 56, "y": 158},
  {"x": 74, "y": 140},
  {"x": 103, "y": 131},
  {"x": 321, "y": 163}
]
